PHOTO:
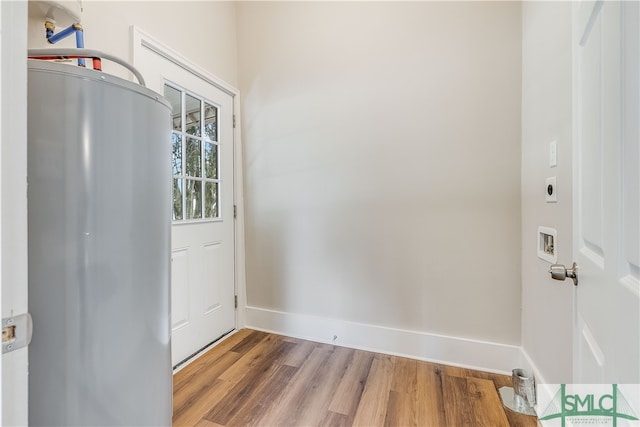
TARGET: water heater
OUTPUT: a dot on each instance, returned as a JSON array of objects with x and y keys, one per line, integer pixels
[{"x": 99, "y": 202}]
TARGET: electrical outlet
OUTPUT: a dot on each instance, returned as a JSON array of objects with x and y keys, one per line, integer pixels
[{"x": 551, "y": 192}]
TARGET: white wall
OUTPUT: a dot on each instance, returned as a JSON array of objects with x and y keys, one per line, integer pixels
[
  {"x": 546, "y": 115},
  {"x": 202, "y": 31},
  {"x": 382, "y": 163}
]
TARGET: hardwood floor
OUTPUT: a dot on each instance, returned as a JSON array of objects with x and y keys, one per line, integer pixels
[{"x": 259, "y": 379}]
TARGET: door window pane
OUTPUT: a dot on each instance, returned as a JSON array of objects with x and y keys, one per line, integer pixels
[
  {"x": 211, "y": 160},
  {"x": 211, "y": 122},
  {"x": 192, "y": 115},
  {"x": 193, "y": 160},
  {"x": 176, "y": 154},
  {"x": 194, "y": 199},
  {"x": 177, "y": 199},
  {"x": 174, "y": 96},
  {"x": 211, "y": 200}
]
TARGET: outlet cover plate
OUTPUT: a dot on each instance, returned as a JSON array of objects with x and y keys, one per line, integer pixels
[{"x": 551, "y": 187}]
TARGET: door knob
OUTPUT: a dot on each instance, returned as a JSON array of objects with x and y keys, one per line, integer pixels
[{"x": 560, "y": 272}]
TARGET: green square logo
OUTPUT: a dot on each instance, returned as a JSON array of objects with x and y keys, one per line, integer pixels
[{"x": 616, "y": 405}]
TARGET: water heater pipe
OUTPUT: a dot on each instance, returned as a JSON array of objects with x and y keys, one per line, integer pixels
[
  {"x": 80, "y": 43},
  {"x": 76, "y": 28},
  {"x": 66, "y": 53}
]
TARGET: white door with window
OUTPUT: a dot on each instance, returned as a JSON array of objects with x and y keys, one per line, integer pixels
[
  {"x": 202, "y": 259},
  {"x": 607, "y": 192}
]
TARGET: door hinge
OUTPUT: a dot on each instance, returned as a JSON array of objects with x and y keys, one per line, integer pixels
[
  {"x": 235, "y": 211},
  {"x": 235, "y": 301},
  {"x": 234, "y": 121},
  {"x": 16, "y": 332}
]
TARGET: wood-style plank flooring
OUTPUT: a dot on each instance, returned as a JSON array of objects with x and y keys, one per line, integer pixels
[{"x": 258, "y": 379}]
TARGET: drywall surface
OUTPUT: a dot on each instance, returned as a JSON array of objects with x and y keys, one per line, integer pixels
[
  {"x": 382, "y": 163},
  {"x": 546, "y": 116},
  {"x": 202, "y": 31}
]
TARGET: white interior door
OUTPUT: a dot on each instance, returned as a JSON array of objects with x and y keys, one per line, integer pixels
[
  {"x": 202, "y": 277},
  {"x": 606, "y": 189}
]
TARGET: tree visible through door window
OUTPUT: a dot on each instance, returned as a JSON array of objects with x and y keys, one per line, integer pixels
[{"x": 195, "y": 155}]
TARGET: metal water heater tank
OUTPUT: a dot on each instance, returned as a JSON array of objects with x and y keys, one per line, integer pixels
[{"x": 99, "y": 201}]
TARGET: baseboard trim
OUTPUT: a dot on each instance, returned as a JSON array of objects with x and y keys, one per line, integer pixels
[
  {"x": 462, "y": 352},
  {"x": 544, "y": 390},
  {"x": 527, "y": 363}
]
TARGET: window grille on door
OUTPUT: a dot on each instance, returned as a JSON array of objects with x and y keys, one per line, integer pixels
[{"x": 195, "y": 156}]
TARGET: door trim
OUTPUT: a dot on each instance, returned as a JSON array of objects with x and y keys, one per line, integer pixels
[
  {"x": 190, "y": 68},
  {"x": 14, "y": 383},
  {"x": 143, "y": 41}
]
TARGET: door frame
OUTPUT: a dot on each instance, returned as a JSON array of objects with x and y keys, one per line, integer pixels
[
  {"x": 142, "y": 41},
  {"x": 13, "y": 205}
]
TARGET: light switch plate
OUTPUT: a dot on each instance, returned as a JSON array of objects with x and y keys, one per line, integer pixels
[
  {"x": 551, "y": 192},
  {"x": 553, "y": 154}
]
